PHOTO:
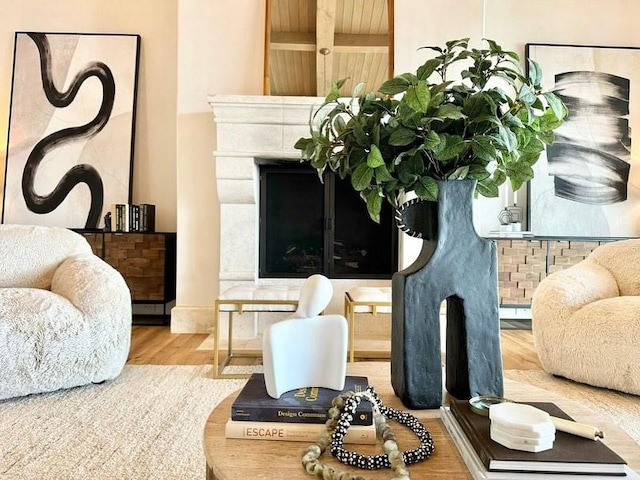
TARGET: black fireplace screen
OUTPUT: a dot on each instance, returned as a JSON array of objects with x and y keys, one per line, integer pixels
[{"x": 308, "y": 226}]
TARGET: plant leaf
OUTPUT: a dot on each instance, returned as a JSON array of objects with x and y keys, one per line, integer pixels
[
  {"x": 410, "y": 169},
  {"x": 425, "y": 70},
  {"x": 334, "y": 92},
  {"x": 427, "y": 188},
  {"x": 556, "y": 105},
  {"x": 508, "y": 138},
  {"x": 374, "y": 204},
  {"x": 360, "y": 135},
  {"x": 487, "y": 188},
  {"x": 431, "y": 140},
  {"x": 459, "y": 173},
  {"x": 417, "y": 97},
  {"x": 478, "y": 172},
  {"x": 499, "y": 177},
  {"x": 526, "y": 95},
  {"x": 450, "y": 148},
  {"x": 535, "y": 72},
  {"x": 361, "y": 177},
  {"x": 483, "y": 148},
  {"x": 382, "y": 174},
  {"x": 402, "y": 136},
  {"x": 374, "y": 159},
  {"x": 394, "y": 86},
  {"x": 357, "y": 89},
  {"x": 450, "y": 111}
]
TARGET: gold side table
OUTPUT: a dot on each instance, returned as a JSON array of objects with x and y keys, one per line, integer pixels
[
  {"x": 372, "y": 300},
  {"x": 248, "y": 298}
]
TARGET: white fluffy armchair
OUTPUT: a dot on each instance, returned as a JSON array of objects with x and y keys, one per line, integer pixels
[
  {"x": 65, "y": 314},
  {"x": 586, "y": 319}
]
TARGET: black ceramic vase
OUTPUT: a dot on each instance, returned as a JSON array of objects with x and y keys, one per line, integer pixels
[{"x": 456, "y": 265}]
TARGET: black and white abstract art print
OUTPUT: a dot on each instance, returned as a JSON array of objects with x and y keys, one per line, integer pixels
[
  {"x": 588, "y": 182},
  {"x": 71, "y": 128}
]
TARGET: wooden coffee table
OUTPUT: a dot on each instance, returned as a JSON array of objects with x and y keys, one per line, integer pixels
[{"x": 269, "y": 460}]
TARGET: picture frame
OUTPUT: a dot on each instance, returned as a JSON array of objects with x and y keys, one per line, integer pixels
[
  {"x": 587, "y": 183},
  {"x": 71, "y": 127}
]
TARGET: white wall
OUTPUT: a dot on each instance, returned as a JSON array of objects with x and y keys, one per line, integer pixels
[{"x": 221, "y": 47}]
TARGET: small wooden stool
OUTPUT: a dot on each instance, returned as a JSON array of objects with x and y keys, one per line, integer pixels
[
  {"x": 371, "y": 300},
  {"x": 248, "y": 298}
]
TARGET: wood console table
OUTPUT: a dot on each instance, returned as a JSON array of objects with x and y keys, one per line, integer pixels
[
  {"x": 524, "y": 262},
  {"x": 146, "y": 260},
  {"x": 229, "y": 459}
]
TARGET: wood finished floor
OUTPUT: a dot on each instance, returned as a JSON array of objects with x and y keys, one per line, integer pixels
[{"x": 156, "y": 345}]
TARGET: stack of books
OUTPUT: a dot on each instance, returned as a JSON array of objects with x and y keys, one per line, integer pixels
[
  {"x": 571, "y": 457},
  {"x": 298, "y": 415},
  {"x": 131, "y": 218}
]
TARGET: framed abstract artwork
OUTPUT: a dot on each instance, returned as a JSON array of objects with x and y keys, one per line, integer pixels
[
  {"x": 71, "y": 127},
  {"x": 587, "y": 183}
]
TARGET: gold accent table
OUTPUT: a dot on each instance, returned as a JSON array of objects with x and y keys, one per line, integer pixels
[
  {"x": 248, "y": 298},
  {"x": 231, "y": 459},
  {"x": 372, "y": 300}
]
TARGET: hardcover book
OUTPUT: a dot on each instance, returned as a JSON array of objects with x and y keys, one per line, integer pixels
[
  {"x": 147, "y": 217},
  {"x": 479, "y": 471},
  {"x": 570, "y": 454},
  {"x": 295, "y": 432},
  {"x": 304, "y": 405}
]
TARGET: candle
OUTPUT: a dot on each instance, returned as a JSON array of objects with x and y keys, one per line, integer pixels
[{"x": 505, "y": 194}]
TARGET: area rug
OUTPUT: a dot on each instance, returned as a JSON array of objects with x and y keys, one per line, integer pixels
[
  {"x": 619, "y": 408},
  {"x": 146, "y": 424}
]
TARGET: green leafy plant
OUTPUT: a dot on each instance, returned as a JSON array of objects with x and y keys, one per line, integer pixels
[{"x": 489, "y": 124}]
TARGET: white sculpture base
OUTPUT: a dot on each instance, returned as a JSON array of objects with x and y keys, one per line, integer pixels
[{"x": 307, "y": 352}]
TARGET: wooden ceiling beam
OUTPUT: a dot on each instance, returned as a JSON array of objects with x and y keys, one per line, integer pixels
[
  {"x": 343, "y": 43},
  {"x": 294, "y": 41},
  {"x": 361, "y": 43},
  {"x": 325, "y": 29}
]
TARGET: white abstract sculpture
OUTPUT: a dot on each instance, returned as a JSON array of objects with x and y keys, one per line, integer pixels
[{"x": 307, "y": 349}]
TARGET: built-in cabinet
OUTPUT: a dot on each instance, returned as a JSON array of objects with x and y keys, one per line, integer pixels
[
  {"x": 147, "y": 261},
  {"x": 523, "y": 263}
]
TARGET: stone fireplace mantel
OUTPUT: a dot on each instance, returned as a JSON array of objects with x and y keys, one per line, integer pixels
[{"x": 249, "y": 128}]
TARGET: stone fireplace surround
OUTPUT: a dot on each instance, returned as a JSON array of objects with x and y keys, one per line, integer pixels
[{"x": 249, "y": 128}]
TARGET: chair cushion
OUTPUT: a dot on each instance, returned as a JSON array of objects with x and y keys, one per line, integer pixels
[
  {"x": 41, "y": 335},
  {"x": 29, "y": 255},
  {"x": 617, "y": 257},
  {"x": 373, "y": 295},
  {"x": 598, "y": 345},
  {"x": 268, "y": 293}
]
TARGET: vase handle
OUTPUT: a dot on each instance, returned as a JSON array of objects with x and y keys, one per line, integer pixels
[{"x": 418, "y": 218}]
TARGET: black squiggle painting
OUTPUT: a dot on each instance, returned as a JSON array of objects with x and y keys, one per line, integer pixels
[{"x": 71, "y": 128}]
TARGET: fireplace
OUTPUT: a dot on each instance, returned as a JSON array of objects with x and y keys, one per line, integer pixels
[
  {"x": 252, "y": 130},
  {"x": 308, "y": 226}
]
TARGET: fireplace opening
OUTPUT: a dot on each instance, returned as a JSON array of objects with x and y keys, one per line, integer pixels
[{"x": 308, "y": 226}]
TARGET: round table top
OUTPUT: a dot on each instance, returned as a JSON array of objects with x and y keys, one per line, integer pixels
[{"x": 229, "y": 458}]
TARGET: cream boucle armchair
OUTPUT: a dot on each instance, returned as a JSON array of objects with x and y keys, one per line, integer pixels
[
  {"x": 65, "y": 314},
  {"x": 586, "y": 319}
]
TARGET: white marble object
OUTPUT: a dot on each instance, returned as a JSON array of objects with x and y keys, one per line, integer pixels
[{"x": 307, "y": 349}]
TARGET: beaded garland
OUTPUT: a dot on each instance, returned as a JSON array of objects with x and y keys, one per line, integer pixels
[{"x": 340, "y": 417}]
